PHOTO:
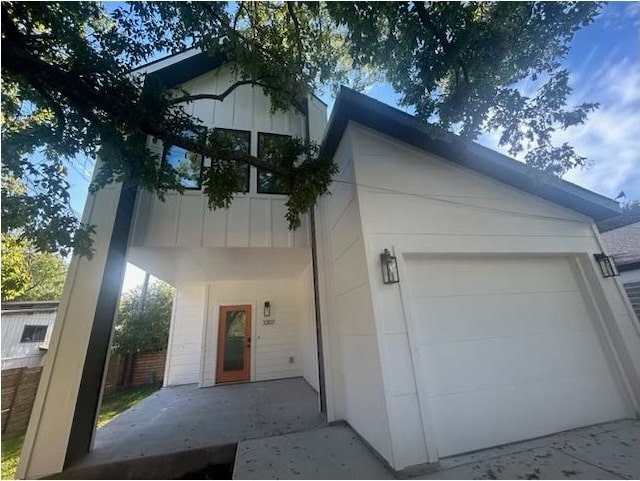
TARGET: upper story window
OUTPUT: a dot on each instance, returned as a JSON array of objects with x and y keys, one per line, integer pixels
[
  {"x": 33, "y": 333},
  {"x": 188, "y": 164},
  {"x": 239, "y": 141},
  {"x": 268, "y": 182}
]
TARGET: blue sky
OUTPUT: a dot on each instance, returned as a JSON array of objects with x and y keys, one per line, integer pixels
[{"x": 604, "y": 63}]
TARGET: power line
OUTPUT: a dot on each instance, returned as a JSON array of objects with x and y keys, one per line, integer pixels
[{"x": 457, "y": 203}]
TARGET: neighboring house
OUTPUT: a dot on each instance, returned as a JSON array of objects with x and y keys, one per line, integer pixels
[
  {"x": 623, "y": 244},
  {"x": 500, "y": 326},
  {"x": 26, "y": 331}
]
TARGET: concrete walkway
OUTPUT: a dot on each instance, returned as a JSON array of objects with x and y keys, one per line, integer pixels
[
  {"x": 187, "y": 418},
  {"x": 606, "y": 451}
]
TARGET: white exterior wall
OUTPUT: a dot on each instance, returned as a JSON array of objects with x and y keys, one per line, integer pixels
[
  {"x": 411, "y": 202},
  {"x": 254, "y": 220},
  {"x": 283, "y": 349},
  {"x": 22, "y": 354},
  {"x": 185, "y": 336},
  {"x": 308, "y": 338},
  {"x": 351, "y": 350}
]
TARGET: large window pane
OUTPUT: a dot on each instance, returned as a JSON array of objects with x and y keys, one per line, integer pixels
[
  {"x": 237, "y": 141},
  {"x": 187, "y": 164},
  {"x": 268, "y": 182}
]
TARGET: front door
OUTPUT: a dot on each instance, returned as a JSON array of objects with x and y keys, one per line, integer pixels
[{"x": 234, "y": 344}]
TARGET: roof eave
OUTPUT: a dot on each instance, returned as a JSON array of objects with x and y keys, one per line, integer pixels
[{"x": 352, "y": 106}]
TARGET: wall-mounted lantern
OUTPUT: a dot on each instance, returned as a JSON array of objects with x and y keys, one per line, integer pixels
[
  {"x": 389, "y": 268},
  {"x": 267, "y": 309},
  {"x": 607, "y": 267}
]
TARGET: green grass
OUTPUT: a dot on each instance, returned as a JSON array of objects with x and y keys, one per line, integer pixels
[
  {"x": 121, "y": 401},
  {"x": 111, "y": 406},
  {"x": 10, "y": 455}
]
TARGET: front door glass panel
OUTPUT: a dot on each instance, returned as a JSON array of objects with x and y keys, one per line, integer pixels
[{"x": 234, "y": 340}]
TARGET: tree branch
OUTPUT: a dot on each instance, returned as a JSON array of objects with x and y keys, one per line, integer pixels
[
  {"x": 218, "y": 97},
  {"x": 425, "y": 20},
  {"x": 85, "y": 98}
]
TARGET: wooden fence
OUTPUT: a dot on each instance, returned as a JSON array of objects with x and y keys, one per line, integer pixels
[
  {"x": 134, "y": 370},
  {"x": 19, "y": 387}
]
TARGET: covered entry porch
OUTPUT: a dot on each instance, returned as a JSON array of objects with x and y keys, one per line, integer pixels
[{"x": 210, "y": 421}]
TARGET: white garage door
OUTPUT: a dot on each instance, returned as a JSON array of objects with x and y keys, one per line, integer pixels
[{"x": 508, "y": 350}]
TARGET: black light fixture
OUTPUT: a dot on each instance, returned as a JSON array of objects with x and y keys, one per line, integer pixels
[
  {"x": 607, "y": 267},
  {"x": 267, "y": 309},
  {"x": 389, "y": 268}
]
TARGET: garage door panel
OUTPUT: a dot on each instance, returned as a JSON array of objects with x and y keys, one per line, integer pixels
[
  {"x": 508, "y": 350},
  {"x": 475, "y": 420},
  {"x": 505, "y": 361},
  {"x": 488, "y": 275},
  {"x": 467, "y": 317}
]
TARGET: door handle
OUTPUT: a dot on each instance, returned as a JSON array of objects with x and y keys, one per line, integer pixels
[{"x": 248, "y": 341}]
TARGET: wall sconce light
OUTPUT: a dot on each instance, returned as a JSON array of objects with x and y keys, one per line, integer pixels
[
  {"x": 389, "y": 268},
  {"x": 267, "y": 309},
  {"x": 607, "y": 267}
]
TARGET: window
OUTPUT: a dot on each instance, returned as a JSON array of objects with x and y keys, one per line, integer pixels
[
  {"x": 33, "y": 333},
  {"x": 268, "y": 182},
  {"x": 187, "y": 164},
  {"x": 237, "y": 141}
]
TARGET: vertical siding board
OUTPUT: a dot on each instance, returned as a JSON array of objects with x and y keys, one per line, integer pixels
[
  {"x": 248, "y": 108},
  {"x": 260, "y": 231},
  {"x": 16, "y": 353},
  {"x": 190, "y": 221},
  {"x": 238, "y": 217},
  {"x": 215, "y": 227}
]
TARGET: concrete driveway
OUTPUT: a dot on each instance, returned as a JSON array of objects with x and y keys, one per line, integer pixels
[{"x": 605, "y": 451}]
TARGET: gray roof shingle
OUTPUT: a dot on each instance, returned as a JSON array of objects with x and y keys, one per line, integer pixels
[{"x": 623, "y": 243}]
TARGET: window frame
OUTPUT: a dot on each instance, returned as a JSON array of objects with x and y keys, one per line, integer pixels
[
  {"x": 260, "y": 136},
  {"x": 165, "y": 150},
  {"x": 35, "y": 327},
  {"x": 248, "y": 166}
]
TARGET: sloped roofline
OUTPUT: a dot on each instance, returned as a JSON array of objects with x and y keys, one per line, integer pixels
[
  {"x": 183, "y": 69},
  {"x": 353, "y": 106}
]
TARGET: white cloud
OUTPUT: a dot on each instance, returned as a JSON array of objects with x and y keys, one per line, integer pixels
[{"x": 610, "y": 138}]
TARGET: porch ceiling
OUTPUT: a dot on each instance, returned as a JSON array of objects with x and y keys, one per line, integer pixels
[{"x": 181, "y": 266}]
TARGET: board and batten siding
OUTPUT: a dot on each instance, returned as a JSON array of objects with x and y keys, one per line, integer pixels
[
  {"x": 413, "y": 202},
  {"x": 185, "y": 336},
  {"x": 253, "y": 220},
  {"x": 352, "y": 346},
  {"x": 22, "y": 354},
  {"x": 285, "y": 348}
]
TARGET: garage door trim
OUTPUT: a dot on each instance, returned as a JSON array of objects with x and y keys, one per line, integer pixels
[{"x": 602, "y": 329}]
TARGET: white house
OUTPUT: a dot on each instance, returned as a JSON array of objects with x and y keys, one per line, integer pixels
[
  {"x": 623, "y": 244},
  {"x": 500, "y": 327},
  {"x": 26, "y": 331}
]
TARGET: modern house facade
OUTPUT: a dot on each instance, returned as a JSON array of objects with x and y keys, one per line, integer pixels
[{"x": 442, "y": 299}]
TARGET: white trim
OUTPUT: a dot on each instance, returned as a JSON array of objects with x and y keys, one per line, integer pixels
[
  {"x": 603, "y": 325},
  {"x": 172, "y": 327},
  {"x": 421, "y": 393},
  {"x": 608, "y": 345}
]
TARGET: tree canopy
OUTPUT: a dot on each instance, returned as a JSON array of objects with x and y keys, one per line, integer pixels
[
  {"x": 68, "y": 88},
  {"x": 29, "y": 275},
  {"x": 143, "y": 325}
]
